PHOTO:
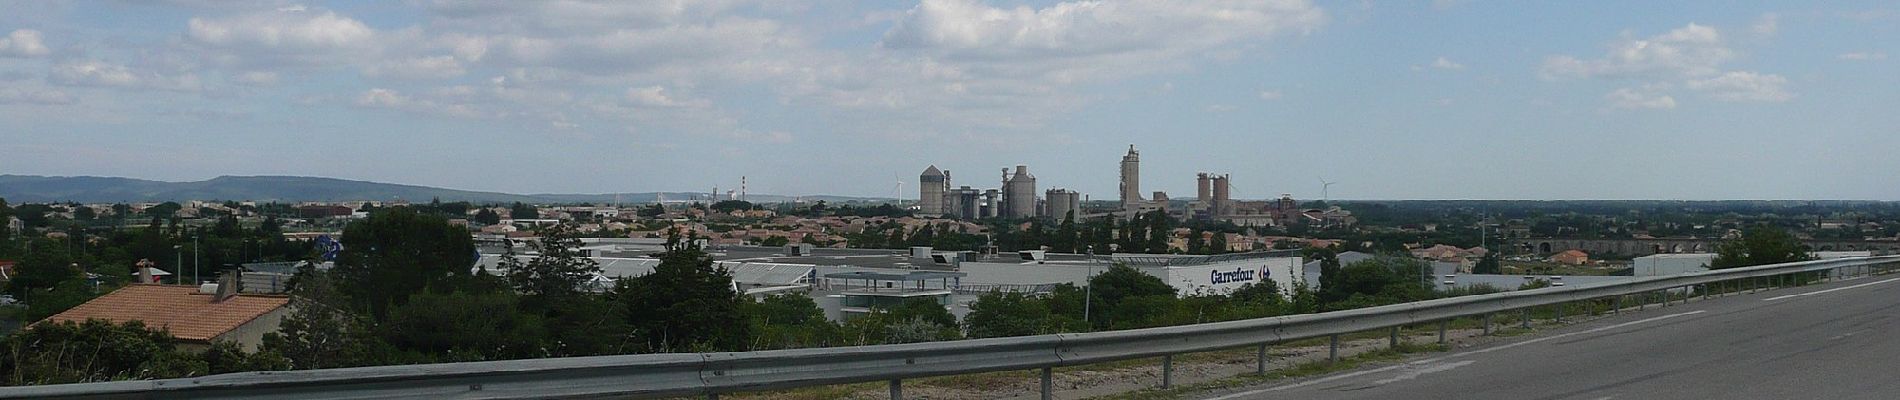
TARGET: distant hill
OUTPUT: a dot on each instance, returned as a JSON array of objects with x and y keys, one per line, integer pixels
[{"x": 91, "y": 189}]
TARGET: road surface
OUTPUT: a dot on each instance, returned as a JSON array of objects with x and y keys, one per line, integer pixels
[{"x": 1839, "y": 340}]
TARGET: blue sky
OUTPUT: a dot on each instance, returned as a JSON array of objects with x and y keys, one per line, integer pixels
[{"x": 1392, "y": 100}]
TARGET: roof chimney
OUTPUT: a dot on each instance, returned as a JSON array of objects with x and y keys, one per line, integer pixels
[
  {"x": 144, "y": 267},
  {"x": 227, "y": 286}
]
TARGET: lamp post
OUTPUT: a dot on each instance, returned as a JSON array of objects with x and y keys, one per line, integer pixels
[
  {"x": 179, "y": 251},
  {"x": 1088, "y": 290},
  {"x": 194, "y": 260}
]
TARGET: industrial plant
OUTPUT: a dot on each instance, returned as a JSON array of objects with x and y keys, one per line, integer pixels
[{"x": 1016, "y": 198}]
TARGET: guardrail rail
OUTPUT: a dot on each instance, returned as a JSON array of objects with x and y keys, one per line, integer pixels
[{"x": 710, "y": 374}]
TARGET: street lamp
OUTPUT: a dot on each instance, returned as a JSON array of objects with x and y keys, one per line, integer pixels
[
  {"x": 179, "y": 251},
  {"x": 1088, "y": 290},
  {"x": 194, "y": 260}
]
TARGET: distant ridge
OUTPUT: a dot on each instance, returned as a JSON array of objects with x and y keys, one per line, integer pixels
[{"x": 92, "y": 189}]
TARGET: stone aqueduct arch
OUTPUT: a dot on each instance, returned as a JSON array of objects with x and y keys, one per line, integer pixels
[{"x": 1642, "y": 247}]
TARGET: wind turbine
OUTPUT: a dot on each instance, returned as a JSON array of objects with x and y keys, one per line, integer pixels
[
  {"x": 1324, "y": 187},
  {"x": 897, "y": 192}
]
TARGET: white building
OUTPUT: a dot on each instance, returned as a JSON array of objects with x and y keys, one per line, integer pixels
[{"x": 1671, "y": 264}]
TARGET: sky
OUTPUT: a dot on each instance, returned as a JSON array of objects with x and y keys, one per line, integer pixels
[{"x": 1388, "y": 100}]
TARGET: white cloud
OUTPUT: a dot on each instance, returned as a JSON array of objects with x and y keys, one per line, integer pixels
[
  {"x": 1690, "y": 51},
  {"x": 1744, "y": 86},
  {"x": 1690, "y": 57},
  {"x": 1082, "y": 40},
  {"x": 23, "y": 43},
  {"x": 286, "y": 30},
  {"x": 12, "y": 95},
  {"x": 391, "y": 99},
  {"x": 1863, "y": 56},
  {"x": 656, "y": 96},
  {"x": 1628, "y": 98},
  {"x": 1767, "y": 25},
  {"x": 1270, "y": 95},
  {"x": 256, "y": 78},
  {"x": 1443, "y": 63},
  {"x": 106, "y": 74},
  {"x": 438, "y": 67}
]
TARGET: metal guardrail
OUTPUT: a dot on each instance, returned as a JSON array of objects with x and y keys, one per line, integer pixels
[{"x": 709, "y": 374}]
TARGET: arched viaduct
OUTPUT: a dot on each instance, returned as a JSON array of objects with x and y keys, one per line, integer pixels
[{"x": 1643, "y": 247}]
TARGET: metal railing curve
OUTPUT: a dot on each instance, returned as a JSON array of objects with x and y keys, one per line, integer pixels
[{"x": 710, "y": 374}]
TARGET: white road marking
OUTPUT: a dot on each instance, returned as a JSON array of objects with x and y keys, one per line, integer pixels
[
  {"x": 1831, "y": 290},
  {"x": 1414, "y": 374},
  {"x": 1231, "y": 396}
]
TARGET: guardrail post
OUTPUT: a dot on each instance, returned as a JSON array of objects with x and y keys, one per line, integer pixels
[
  {"x": 1560, "y": 313},
  {"x": 1616, "y": 306},
  {"x": 1487, "y": 324},
  {"x": 1442, "y": 324},
  {"x": 1527, "y": 318},
  {"x": 897, "y": 389},
  {"x": 1260, "y": 359},
  {"x": 1332, "y": 351},
  {"x": 1048, "y": 384},
  {"x": 1167, "y": 371},
  {"x": 1394, "y": 342},
  {"x": 1704, "y": 289}
]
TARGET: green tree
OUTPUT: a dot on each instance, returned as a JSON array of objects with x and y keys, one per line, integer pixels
[
  {"x": 1488, "y": 265},
  {"x": 487, "y": 216},
  {"x": 1331, "y": 287},
  {"x": 1000, "y": 314},
  {"x": 1759, "y": 245},
  {"x": 790, "y": 320},
  {"x": 47, "y": 264},
  {"x": 1218, "y": 245},
  {"x": 1195, "y": 243},
  {"x": 652, "y": 210},
  {"x": 320, "y": 332},
  {"x": 728, "y": 206},
  {"x": 398, "y": 253},
  {"x": 91, "y": 351},
  {"x": 523, "y": 211},
  {"x": 464, "y": 326},
  {"x": 1379, "y": 280},
  {"x": 775, "y": 241},
  {"x": 1127, "y": 297},
  {"x": 685, "y": 304},
  {"x": 559, "y": 271}
]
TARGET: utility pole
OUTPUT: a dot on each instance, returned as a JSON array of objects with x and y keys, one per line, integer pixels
[
  {"x": 194, "y": 260},
  {"x": 1088, "y": 290}
]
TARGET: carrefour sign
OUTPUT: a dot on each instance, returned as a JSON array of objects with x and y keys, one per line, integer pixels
[{"x": 1242, "y": 274}]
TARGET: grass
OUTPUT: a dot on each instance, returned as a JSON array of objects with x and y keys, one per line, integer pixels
[{"x": 1296, "y": 371}]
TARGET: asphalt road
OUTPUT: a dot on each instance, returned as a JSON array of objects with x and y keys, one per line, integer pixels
[{"x": 1839, "y": 340}]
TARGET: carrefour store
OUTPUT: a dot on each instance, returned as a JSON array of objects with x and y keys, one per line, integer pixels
[{"x": 1189, "y": 275}]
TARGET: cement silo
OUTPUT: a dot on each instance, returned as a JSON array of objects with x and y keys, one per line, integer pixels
[
  {"x": 1060, "y": 202},
  {"x": 930, "y": 187},
  {"x": 1203, "y": 192},
  {"x": 1223, "y": 200},
  {"x": 1019, "y": 194}
]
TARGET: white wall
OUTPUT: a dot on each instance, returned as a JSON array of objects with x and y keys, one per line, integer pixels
[{"x": 1225, "y": 277}]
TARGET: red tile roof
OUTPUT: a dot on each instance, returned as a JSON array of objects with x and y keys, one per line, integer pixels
[{"x": 180, "y": 309}]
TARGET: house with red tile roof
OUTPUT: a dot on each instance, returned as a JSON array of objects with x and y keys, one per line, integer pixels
[
  {"x": 195, "y": 319},
  {"x": 1572, "y": 257}
]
